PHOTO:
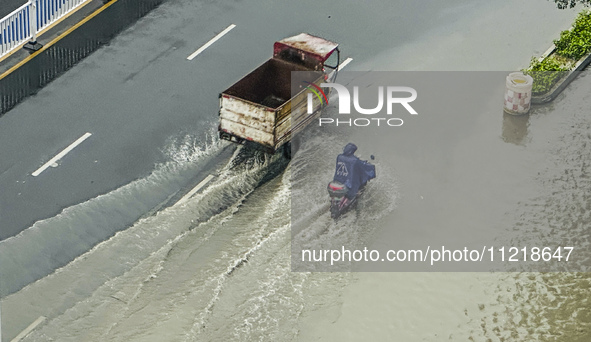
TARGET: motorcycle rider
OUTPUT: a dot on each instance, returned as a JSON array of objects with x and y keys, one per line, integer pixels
[{"x": 352, "y": 171}]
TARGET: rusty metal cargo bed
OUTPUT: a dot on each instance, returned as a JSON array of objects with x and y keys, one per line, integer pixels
[
  {"x": 257, "y": 108},
  {"x": 262, "y": 109}
]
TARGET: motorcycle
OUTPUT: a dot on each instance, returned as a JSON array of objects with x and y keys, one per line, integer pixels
[{"x": 339, "y": 202}]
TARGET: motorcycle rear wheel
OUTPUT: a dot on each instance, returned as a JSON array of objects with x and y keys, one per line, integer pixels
[{"x": 334, "y": 210}]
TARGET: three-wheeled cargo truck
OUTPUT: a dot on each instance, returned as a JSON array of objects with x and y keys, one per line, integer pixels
[{"x": 262, "y": 110}]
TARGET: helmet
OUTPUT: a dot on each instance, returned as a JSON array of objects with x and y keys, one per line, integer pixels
[{"x": 349, "y": 149}]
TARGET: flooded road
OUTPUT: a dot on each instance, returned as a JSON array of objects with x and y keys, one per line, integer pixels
[
  {"x": 219, "y": 268},
  {"x": 517, "y": 181},
  {"x": 230, "y": 279}
]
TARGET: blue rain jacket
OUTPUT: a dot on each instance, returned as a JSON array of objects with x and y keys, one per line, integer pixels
[{"x": 352, "y": 171}]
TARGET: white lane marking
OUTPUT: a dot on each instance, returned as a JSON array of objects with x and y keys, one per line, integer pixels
[
  {"x": 28, "y": 329},
  {"x": 213, "y": 40},
  {"x": 195, "y": 189},
  {"x": 61, "y": 154},
  {"x": 344, "y": 64}
]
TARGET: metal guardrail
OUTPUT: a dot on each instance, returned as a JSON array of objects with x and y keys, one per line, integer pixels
[
  {"x": 15, "y": 29},
  {"x": 24, "y": 23},
  {"x": 49, "y": 11}
]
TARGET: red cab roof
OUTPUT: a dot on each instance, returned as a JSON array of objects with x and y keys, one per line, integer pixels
[{"x": 319, "y": 47}]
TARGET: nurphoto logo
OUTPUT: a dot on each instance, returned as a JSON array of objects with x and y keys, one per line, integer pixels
[{"x": 344, "y": 104}]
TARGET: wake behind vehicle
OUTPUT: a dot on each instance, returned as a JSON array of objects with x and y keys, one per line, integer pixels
[
  {"x": 259, "y": 110},
  {"x": 351, "y": 177}
]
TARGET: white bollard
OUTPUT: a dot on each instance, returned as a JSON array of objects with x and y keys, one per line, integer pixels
[{"x": 518, "y": 93}]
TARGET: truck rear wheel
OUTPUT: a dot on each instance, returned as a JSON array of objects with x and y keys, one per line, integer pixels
[
  {"x": 291, "y": 147},
  {"x": 287, "y": 150}
]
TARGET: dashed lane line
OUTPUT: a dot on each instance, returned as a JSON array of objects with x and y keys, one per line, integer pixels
[
  {"x": 61, "y": 154},
  {"x": 195, "y": 189},
  {"x": 209, "y": 43}
]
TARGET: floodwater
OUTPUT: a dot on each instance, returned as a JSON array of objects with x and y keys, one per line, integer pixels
[
  {"x": 229, "y": 278},
  {"x": 218, "y": 267},
  {"x": 555, "y": 140},
  {"x": 483, "y": 176}
]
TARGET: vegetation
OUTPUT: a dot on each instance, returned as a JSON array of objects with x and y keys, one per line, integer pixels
[
  {"x": 562, "y": 4},
  {"x": 572, "y": 46},
  {"x": 545, "y": 74},
  {"x": 576, "y": 42}
]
